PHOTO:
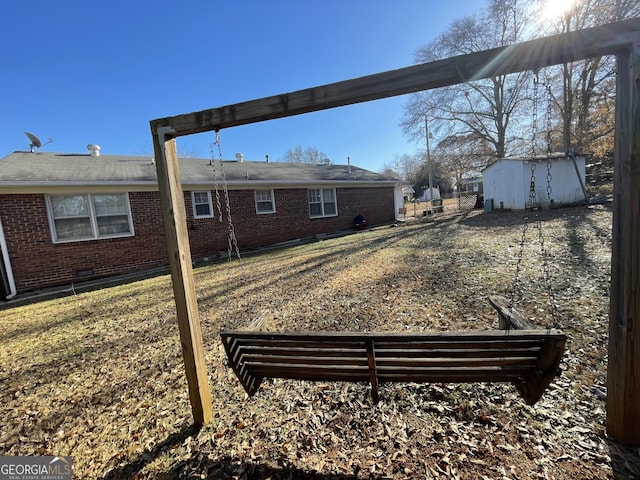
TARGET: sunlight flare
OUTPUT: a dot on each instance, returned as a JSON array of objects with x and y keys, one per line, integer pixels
[{"x": 556, "y": 8}]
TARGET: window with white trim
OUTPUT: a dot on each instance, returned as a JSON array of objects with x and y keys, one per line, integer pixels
[
  {"x": 89, "y": 216},
  {"x": 202, "y": 206},
  {"x": 265, "y": 202},
  {"x": 322, "y": 202}
]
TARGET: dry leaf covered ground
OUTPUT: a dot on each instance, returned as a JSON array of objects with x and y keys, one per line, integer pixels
[{"x": 99, "y": 376}]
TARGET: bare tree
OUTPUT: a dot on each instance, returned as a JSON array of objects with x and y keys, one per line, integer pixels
[
  {"x": 486, "y": 109},
  {"x": 307, "y": 155},
  {"x": 435, "y": 171},
  {"x": 463, "y": 156},
  {"x": 403, "y": 166},
  {"x": 583, "y": 93}
]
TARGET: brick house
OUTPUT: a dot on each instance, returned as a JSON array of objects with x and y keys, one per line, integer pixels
[{"x": 66, "y": 218}]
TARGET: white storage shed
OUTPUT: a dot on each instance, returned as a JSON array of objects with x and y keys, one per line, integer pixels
[{"x": 507, "y": 181}]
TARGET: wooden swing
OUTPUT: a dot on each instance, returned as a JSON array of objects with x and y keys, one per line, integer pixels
[
  {"x": 520, "y": 354},
  {"x": 528, "y": 358}
]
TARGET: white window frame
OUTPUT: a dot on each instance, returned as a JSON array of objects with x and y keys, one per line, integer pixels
[
  {"x": 271, "y": 200},
  {"x": 322, "y": 202},
  {"x": 194, "y": 204},
  {"x": 91, "y": 214}
]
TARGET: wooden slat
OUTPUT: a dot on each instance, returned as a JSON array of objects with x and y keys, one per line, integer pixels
[
  {"x": 348, "y": 338},
  {"x": 328, "y": 351},
  {"x": 306, "y": 372},
  {"x": 389, "y": 362},
  {"x": 449, "y": 362},
  {"x": 446, "y": 376},
  {"x": 459, "y": 353},
  {"x": 253, "y": 361},
  {"x": 311, "y": 360},
  {"x": 443, "y": 340}
]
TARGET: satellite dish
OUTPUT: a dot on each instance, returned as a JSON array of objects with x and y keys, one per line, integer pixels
[{"x": 35, "y": 141}]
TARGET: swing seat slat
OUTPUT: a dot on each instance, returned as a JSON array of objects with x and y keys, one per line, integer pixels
[{"x": 529, "y": 359}]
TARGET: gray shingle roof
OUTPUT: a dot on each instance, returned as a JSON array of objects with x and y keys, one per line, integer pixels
[{"x": 45, "y": 168}]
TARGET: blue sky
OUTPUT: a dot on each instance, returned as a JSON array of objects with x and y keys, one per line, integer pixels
[{"x": 98, "y": 72}]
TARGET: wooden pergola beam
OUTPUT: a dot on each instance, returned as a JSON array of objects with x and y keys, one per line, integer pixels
[
  {"x": 532, "y": 55},
  {"x": 620, "y": 39}
]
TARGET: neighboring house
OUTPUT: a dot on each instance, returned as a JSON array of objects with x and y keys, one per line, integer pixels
[
  {"x": 426, "y": 194},
  {"x": 470, "y": 185},
  {"x": 67, "y": 218},
  {"x": 407, "y": 193},
  {"x": 507, "y": 182}
]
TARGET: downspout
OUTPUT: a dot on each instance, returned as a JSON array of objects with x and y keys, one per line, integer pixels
[{"x": 7, "y": 263}]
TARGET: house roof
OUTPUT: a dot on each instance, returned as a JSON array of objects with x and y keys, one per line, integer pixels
[
  {"x": 553, "y": 157},
  {"x": 22, "y": 169}
]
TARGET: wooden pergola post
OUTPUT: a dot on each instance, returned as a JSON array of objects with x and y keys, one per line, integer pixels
[
  {"x": 623, "y": 369},
  {"x": 175, "y": 228}
]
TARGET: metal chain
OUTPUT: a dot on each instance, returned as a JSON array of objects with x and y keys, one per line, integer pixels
[
  {"x": 215, "y": 174},
  {"x": 549, "y": 140},
  {"x": 543, "y": 252},
  {"x": 232, "y": 241},
  {"x": 532, "y": 200},
  {"x": 534, "y": 120},
  {"x": 532, "y": 203},
  {"x": 547, "y": 277},
  {"x": 516, "y": 277}
]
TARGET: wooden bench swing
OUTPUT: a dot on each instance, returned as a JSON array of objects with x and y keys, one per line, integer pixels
[
  {"x": 529, "y": 359},
  {"x": 519, "y": 353}
]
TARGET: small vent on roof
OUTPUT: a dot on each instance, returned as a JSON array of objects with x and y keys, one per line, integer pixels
[
  {"x": 94, "y": 150},
  {"x": 239, "y": 157}
]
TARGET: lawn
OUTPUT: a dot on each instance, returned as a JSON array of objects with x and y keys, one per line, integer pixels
[{"x": 99, "y": 375}]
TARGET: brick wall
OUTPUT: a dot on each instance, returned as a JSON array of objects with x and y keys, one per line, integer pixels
[
  {"x": 291, "y": 219},
  {"x": 37, "y": 262}
]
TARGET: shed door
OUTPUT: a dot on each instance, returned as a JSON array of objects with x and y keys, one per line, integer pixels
[{"x": 505, "y": 188}]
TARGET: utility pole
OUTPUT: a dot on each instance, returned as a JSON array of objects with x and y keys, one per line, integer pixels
[{"x": 429, "y": 166}]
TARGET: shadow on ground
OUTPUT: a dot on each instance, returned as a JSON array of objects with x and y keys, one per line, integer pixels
[{"x": 202, "y": 465}]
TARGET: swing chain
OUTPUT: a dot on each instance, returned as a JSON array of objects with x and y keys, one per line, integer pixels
[
  {"x": 532, "y": 202},
  {"x": 543, "y": 251},
  {"x": 549, "y": 139},
  {"x": 232, "y": 241},
  {"x": 516, "y": 276},
  {"x": 534, "y": 112},
  {"x": 215, "y": 175},
  {"x": 547, "y": 277}
]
